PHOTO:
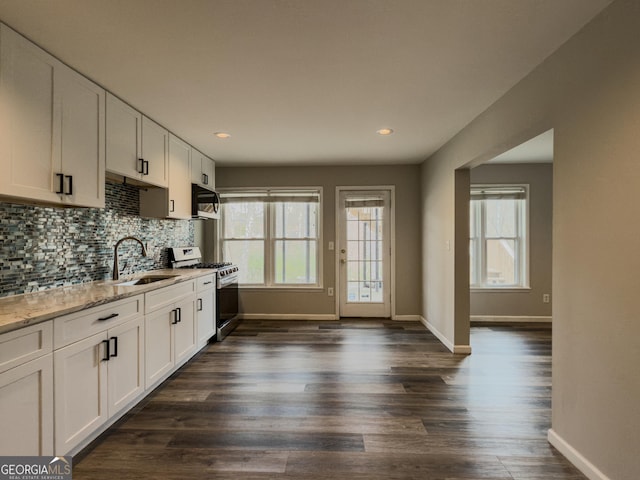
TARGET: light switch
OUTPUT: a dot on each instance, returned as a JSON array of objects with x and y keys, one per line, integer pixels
[{"x": 331, "y": 246}]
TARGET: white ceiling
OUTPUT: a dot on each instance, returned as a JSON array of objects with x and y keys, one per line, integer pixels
[
  {"x": 305, "y": 81},
  {"x": 537, "y": 150}
]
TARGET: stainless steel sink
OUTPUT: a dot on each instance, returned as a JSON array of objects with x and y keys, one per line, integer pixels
[{"x": 147, "y": 279}]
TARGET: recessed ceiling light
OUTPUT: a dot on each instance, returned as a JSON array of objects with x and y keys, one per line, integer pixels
[
  {"x": 385, "y": 131},
  {"x": 222, "y": 134}
]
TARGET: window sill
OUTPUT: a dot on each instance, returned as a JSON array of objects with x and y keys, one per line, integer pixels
[
  {"x": 301, "y": 289},
  {"x": 499, "y": 289}
]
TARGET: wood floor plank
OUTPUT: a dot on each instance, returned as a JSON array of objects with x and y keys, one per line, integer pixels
[{"x": 355, "y": 399}]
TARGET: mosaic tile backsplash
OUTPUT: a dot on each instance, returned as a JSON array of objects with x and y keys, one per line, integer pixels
[{"x": 45, "y": 247}]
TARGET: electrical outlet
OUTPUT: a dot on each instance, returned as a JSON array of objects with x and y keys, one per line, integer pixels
[
  {"x": 546, "y": 298},
  {"x": 330, "y": 291}
]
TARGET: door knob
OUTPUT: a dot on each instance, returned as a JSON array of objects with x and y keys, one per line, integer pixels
[
  {"x": 343, "y": 251},
  {"x": 342, "y": 260}
]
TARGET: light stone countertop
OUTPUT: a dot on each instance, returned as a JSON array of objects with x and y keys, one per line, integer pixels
[{"x": 20, "y": 311}]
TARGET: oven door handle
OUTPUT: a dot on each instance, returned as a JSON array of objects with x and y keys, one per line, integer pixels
[{"x": 224, "y": 282}]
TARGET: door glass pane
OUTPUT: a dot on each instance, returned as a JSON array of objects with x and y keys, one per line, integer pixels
[
  {"x": 501, "y": 265},
  {"x": 364, "y": 254}
]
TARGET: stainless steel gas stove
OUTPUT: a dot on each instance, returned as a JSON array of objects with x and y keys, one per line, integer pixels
[{"x": 226, "y": 286}]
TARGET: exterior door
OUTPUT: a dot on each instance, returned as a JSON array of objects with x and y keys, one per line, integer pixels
[{"x": 364, "y": 253}]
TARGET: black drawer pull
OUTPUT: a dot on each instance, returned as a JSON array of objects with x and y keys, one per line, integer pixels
[
  {"x": 208, "y": 283},
  {"x": 106, "y": 350},
  {"x": 61, "y": 184},
  {"x": 115, "y": 347},
  {"x": 175, "y": 316},
  {"x": 70, "y": 191},
  {"x": 109, "y": 317}
]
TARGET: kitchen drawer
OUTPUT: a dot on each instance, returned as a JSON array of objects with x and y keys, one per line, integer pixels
[
  {"x": 203, "y": 283},
  {"x": 77, "y": 326},
  {"x": 25, "y": 344},
  {"x": 166, "y": 296}
]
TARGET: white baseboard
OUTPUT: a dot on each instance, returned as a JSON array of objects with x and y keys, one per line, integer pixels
[
  {"x": 457, "y": 349},
  {"x": 509, "y": 319},
  {"x": 287, "y": 316},
  {"x": 407, "y": 318},
  {"x": 575, "y": 457}
]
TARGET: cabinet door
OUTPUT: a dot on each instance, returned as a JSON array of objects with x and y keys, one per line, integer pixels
[
  {"x": 157, "y": 345},
  {"x": 179, "y": 178},
  {"x": 26, "y": 408},
  {"x": 209, "y": 170},
  {"x": 184, "y": 333},
  {"x": 205, "y": 314},
  {"x": 80, "y": 391},
  {"x": 81, "y": 144},
  {"x": 26, "y": 119},
  {"x": 123, "y": 138},
  {"x": 155, "y": 144},
  {"x": 126, "y": 365},
  {"x": 202, "y": 170}
]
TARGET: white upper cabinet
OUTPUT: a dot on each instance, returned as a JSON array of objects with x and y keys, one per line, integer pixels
[
  {"x": 202, "y": 170},
  {"x": 179, "y": 178},
  {"x": 174, "y": 202},
  {"x": 136, "y": 145},
  {"x": 51, "y": 127},
  {"x": 155, "y": 153}
]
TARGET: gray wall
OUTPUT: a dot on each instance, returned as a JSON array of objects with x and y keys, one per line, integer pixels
[
  {"x": 587, "y": 92},
  {"x": 525, "y": 303},
  {"x": 407, "y": 187}
]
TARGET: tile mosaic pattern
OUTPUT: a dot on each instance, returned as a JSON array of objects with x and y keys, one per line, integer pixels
[{"x": 44, "y": 247}]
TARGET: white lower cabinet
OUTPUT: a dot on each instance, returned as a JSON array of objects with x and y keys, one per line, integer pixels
[
  {"x": 170, "y": 339},
  {"x": 26, "y": 391},
  {"x": 80, "y": 371},
  {"x": 64, "y": 381},
  {"x": 26, "y": 408},
  {"x": 205, "y": 309}
]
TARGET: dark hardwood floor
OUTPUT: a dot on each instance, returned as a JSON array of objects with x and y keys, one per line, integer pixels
[{"x": 349, "y": 400}]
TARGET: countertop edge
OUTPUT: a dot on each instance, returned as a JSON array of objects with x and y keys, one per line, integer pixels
[{"x": 97, "y": 293}]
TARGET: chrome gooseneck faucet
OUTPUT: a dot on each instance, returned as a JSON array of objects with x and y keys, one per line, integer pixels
[{"x": 116, "y": 273}]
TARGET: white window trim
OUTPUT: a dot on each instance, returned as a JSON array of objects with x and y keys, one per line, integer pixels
[
  {"x": 269, "y": 241},
  {"x": 525, "y": 233}
]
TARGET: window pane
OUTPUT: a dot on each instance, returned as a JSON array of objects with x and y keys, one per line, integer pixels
[
  {"x": 296, "y": 219},
  {"x": 501, "y": 262},
  {"x": 472, "y": 262},
  {"x": 243, "y": 220},
  {"x": 295, "y": 261},
  {"x": 249, "y": 256},
  {"x": 501, "y": 218}
]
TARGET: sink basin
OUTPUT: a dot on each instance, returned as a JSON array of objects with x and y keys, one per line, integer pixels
[{"x": 145, "y": 280}]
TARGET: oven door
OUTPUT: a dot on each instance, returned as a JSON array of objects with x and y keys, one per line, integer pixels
[{"x": 227, "y": 304}]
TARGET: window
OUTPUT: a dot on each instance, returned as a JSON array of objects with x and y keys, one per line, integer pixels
[
  {"x": 273, "y": 235},
  {"x": 498, "y": 248}
]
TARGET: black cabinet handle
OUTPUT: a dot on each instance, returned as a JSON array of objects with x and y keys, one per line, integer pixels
[
  {"x": 108, "y": 317},
  {"x": 173, "y": 205},
  {"x": 205, "y": 179},
  {"x": 179, "y": 314},
  {"x": 70, "y": 191},
  {"x": 208, "y": 283},
  {"x": 106, "y": 350},
  {"x": 199, "y": 304},
  {"x": 145, "y": 167},
  {"x": 61, "y": 184},
  {"x": 175, "y": 316},
  {"x": 115, "y": 347},
  {"x": 141, "y": 168}
]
